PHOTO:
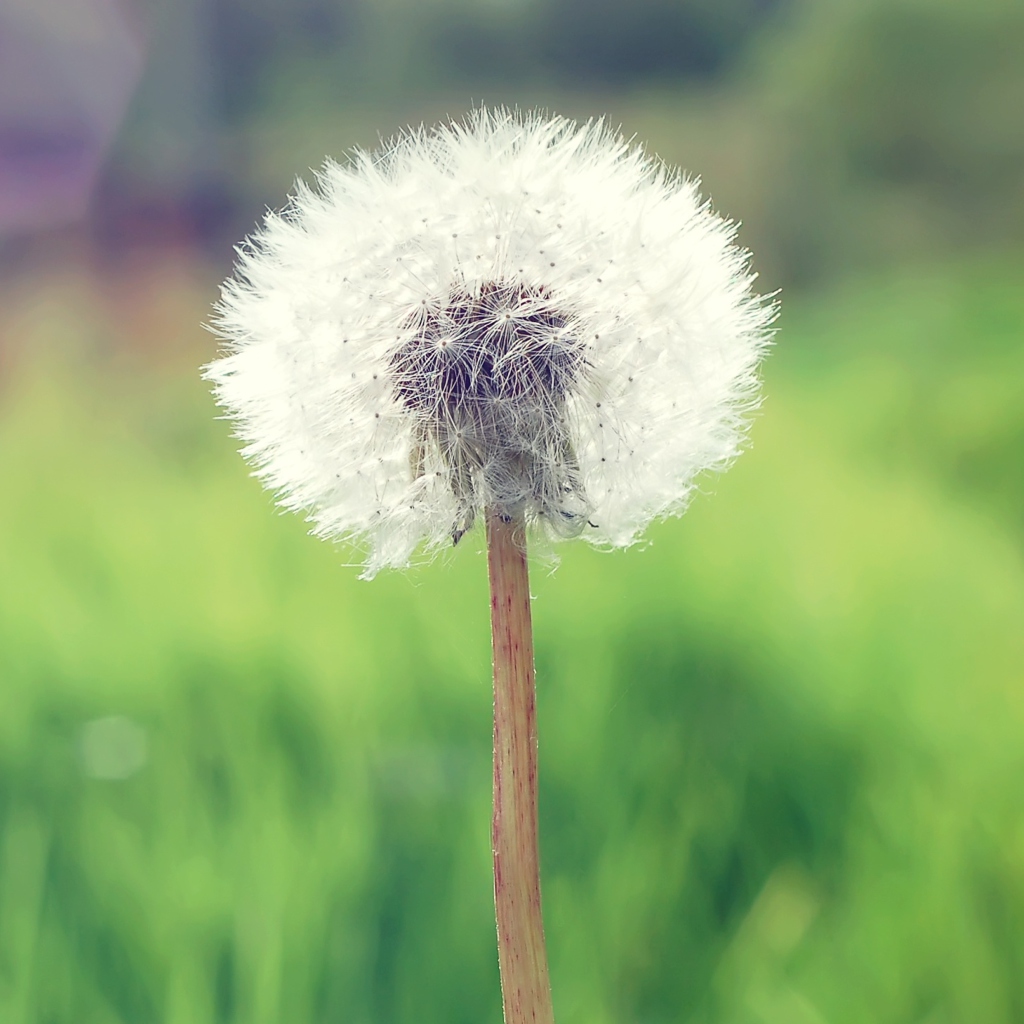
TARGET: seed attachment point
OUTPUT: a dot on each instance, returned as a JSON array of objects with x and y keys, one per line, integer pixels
[{"x": 486, "y": 376}]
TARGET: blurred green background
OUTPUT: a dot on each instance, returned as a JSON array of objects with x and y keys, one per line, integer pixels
[{"x": 782, "y": 746}]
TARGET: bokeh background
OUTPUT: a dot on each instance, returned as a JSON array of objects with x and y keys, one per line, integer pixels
[{"x": 782, "y": 746}]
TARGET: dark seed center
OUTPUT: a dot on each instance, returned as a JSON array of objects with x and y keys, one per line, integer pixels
[
  {"x": 486, "y": 375},
  {"x": 507, "y": 342}
]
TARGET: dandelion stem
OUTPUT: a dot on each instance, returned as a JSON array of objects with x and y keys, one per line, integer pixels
[{"x": 522, "y": 959}]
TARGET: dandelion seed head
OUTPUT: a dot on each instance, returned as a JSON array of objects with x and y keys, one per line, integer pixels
[{"x": 518, "y": 313}]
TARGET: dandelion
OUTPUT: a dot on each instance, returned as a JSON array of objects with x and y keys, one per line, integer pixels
[{"x": 517, "y": 319}]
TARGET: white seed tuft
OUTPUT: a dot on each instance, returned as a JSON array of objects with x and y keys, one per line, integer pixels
[{"x": 517, "y": 313}]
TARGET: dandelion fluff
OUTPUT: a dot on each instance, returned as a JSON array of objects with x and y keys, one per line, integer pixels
[{"x": 518, "y": 314}]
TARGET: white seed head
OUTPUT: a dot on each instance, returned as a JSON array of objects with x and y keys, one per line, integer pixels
[{"x": 518, "y": 313}]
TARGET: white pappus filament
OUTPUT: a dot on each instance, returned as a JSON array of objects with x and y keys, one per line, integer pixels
[{"x": 518, "y": 313}]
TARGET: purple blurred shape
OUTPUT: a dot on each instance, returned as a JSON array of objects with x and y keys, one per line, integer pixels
[{"x": 67, "y": 71}]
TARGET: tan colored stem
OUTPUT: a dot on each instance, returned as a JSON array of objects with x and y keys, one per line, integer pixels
[{"x": 525, "y": 988}]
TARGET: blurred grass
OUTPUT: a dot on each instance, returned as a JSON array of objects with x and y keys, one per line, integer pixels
[{"x": 781, "y": 747}]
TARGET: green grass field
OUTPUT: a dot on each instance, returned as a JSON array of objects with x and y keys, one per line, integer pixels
[{"x": 782, "y": 746}]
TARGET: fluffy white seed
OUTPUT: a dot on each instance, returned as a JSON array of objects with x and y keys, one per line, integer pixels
[{"x": 518, "y": 313}]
